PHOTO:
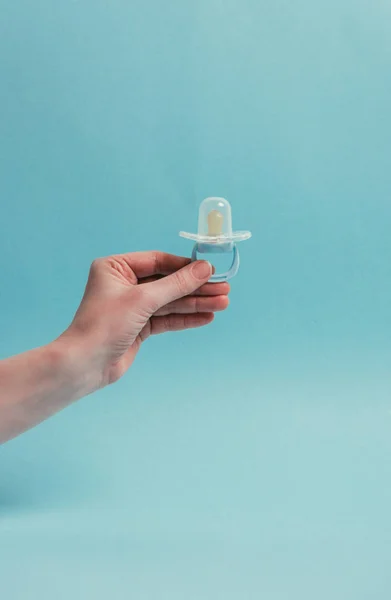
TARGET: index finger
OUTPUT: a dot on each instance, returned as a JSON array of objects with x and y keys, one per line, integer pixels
[{"x": 146, "y": 264}]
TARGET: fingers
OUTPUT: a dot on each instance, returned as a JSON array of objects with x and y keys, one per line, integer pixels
[
  {"x": 146, "y": 264},
  {"x": 179, "y": 322},
  {"x": 213, "y": 289},
  {"x": 208, "y": 289},
  {"x": 187, "y": 280},
  {"x": 194, "y": 304}
]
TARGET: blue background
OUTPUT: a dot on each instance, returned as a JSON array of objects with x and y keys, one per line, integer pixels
[{"x": 250, "y": 459}]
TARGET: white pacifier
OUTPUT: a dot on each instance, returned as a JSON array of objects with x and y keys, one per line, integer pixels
[{"x": 215, "y": 234}]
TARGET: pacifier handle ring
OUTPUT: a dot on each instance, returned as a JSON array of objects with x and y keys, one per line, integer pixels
[{"x": 219, "y": 277}]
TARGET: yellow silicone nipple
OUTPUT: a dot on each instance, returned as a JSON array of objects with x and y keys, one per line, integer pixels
[{"x": 215, "y": 222}]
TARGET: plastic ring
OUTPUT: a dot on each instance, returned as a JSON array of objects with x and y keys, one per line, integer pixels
[{"x": 219, "y": 277}]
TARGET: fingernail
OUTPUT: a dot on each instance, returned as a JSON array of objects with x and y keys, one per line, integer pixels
[{"x": 202, "y": 269}]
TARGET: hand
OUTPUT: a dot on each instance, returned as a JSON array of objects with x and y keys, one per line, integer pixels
[{"x": 129, "y": 297}]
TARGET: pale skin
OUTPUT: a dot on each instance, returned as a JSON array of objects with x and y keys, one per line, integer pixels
[{"x": 128, "y": 298}]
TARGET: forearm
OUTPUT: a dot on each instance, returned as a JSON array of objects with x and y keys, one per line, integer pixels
[{"x": 39, "y": 383}]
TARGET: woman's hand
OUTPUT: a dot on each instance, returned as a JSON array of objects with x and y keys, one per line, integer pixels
[{"x": 129, "y": 297}]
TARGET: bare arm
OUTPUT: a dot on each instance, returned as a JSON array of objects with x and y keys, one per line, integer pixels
[{"x": 36, "y": 384}]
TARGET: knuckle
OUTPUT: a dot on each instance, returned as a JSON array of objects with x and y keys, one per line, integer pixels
[
  {"x": 167, "y": 323},
  {"x": 156, "y": 260},
  {"x": 181, "y": 282},
  {"x": 96, "y": 264}
]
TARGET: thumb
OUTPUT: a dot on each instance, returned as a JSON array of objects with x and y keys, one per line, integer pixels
[{"x": 179, "y": 284}]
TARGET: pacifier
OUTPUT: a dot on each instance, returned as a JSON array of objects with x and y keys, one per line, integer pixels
[{"x": 215, "y": 235}]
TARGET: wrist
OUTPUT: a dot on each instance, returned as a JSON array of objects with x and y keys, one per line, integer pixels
[{"x": 76, "y": 358}]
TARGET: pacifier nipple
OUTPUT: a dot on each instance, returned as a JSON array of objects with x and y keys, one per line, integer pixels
[
  {"x": 215, "y": 222},
  {"x": 214, "y": 218}
]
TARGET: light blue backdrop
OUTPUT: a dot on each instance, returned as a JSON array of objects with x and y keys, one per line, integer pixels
[{"x": 250, "y": 459}]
